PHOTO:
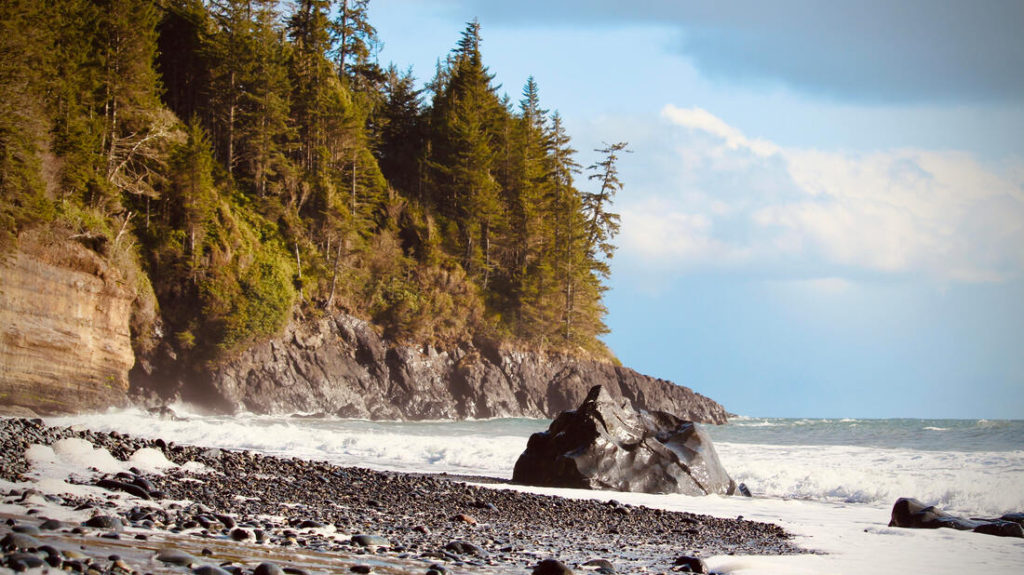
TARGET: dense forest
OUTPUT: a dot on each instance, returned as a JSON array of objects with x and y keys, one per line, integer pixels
[{"x": 245, "y": 163}]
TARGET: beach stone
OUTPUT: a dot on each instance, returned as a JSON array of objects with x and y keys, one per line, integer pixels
[
  {"x": 24, "y": 561},
  {"x": 129, "y": 488},
  {"x": 239, "y": 534},
  {"x": 601, "y": 445},
  {"x": 465, "y": 548},
  {"x": 1001, "y": 529},
  {"x": 370, "y": 541},
  {"x": 226, "y": 520},
  {"x": 25, "y": 529},
  {"x": 602, "y": 566},
  {"x": 210, "y": 570},
  {"x": 363, "y": 569},
  {"x": 51, "y": 525},
  {"x": 1015, "y": 517},
  {"x": 19, "y": 541},
  {"x": 909, "y": 512},
  {"x": 105, "y": 522},
  {"x": 690, "y": 564},
  {"x": 551, "y": 567},
  {"x": 176, "y": 557},
  {"x": 267, "y": 568}
]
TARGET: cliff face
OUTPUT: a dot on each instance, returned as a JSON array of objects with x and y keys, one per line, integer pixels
[
  {"x": 340, "y": 366},
  {"x": 65, "y": 342}
]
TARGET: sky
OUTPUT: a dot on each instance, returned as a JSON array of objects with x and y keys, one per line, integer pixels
[{"x": 823, "y": 211}]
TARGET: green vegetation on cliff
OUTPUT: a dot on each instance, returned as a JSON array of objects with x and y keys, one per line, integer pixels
[{"x": 242, "y": 165}]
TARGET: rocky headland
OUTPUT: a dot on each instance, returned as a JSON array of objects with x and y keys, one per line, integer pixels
[{"x": 66, "y": 345}]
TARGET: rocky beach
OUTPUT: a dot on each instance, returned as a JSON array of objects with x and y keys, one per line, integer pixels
[{"x": 214, "y": 510}]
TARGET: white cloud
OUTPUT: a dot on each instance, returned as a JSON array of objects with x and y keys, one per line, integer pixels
[
  {"x": 702, "y": 120},
  {"x": 745, "y": 203}
]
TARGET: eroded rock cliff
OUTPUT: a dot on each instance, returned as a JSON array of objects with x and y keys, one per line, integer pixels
[
  {"x": 65, "y": 341},
  {"x": 341, "y": 366}
]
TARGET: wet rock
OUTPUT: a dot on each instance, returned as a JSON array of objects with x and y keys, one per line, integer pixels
[
  {"x": 551, "y": 567},
  {"x": 24, "y": 561},
  {"x": 267, "y": 568},
  {"x": 690, "y": 564},
  {"x": 463, "y": 518},
  {"x": 51, "y": 525},
  {"x": 176, "y": 557},
  {"x": 239, "y": 534},
  {"x": 210, "y": 570},
  {"x": 226, "y": 520},
  {"x": 602, "y": 566},
  {"x": 105, "y": 522},
  {"x": 19, "y": 541},
  {"x": 601, "y": 445},
  {"x": 1001, "y": 529},
  {"x": 129, "y": 488},
  {"x": 465, "y": 548},
  {"x": 370, "y": 541},
  {"x": 362, "y": 569}
]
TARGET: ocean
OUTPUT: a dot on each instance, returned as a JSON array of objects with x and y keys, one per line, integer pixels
[{"x": 832, "y": 482}]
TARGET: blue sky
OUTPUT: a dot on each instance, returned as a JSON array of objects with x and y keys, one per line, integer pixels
[{"x": 824, "y": 208}]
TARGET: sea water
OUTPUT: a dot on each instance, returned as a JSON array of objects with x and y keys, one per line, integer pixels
[{"x": 831, "y": 482}]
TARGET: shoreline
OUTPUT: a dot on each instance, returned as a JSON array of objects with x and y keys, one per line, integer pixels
[{"x": 279, "y": 507}]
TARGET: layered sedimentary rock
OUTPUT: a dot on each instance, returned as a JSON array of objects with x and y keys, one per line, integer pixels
[
  {"x": 602, "y": 445},
  {"x": 341, "y": 366},
  {"x": 65, "y": 342}
]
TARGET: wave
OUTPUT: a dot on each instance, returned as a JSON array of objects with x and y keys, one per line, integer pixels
[{"x": 976, "y": 483}]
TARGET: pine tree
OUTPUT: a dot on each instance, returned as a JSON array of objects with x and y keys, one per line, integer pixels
[
  {"x": 603, "y": 225},
  {"x": 401, "y": 138},
  {"x": 264, "y": 131},
  {"x": 355, "y": 38},
  {"x": 136, "y": 126},
  {"x": 465, "y": 190}
]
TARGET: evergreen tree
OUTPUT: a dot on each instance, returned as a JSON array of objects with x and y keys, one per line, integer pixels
[
  {"x": 603, "y": 225},
  {"x": 465, "y": 190},
  {"x": 401, "y": 138},
  {"x": 355, "y": 38}
]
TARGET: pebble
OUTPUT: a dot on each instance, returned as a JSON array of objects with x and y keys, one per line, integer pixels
[
  {"x": 105, "y": 522},
  {"x": 689, "y": 564},
  {"x": 210, "y": 570},
  {"x": 465, "y": 548},
  {"x": 370, "y": 541},
  {"x": 363, "y": 569},
  {"x": 19, "y": 541},
  {"x": 602, "y": 566},
  {"x": 175, "y": 557},
  {"x": 551, "y": 567},
  {"x": 267, "y": 568}
]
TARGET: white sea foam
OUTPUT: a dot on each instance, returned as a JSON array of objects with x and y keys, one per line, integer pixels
[{"x": 979, "y": 483}]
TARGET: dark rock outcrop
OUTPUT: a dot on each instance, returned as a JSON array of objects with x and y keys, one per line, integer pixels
[
  {"x": 340, "y": 366},
  {"x": 602, "y": 446},
  {"x": 909, "y": 512}
]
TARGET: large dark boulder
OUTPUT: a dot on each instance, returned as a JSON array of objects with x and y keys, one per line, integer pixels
[
  {"x": 909, "y": 512},
  {"x": 601, "y": 445}
]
